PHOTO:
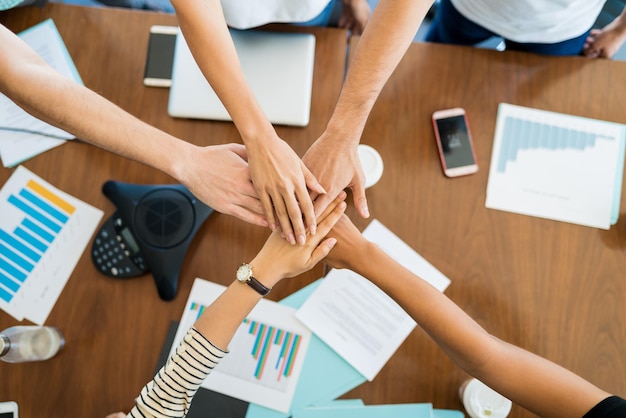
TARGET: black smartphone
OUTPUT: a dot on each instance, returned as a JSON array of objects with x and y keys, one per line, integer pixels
[{"x": 160, "y": 57}]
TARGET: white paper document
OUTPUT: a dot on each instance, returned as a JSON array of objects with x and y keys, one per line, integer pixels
[
  {"x": 357, "y": 319},
  {"x": 16, "y": 145},
  {"x": 43, "y": 233},
  {"x": 556, "y": 166},
  {"x": 265, "y": 356}
]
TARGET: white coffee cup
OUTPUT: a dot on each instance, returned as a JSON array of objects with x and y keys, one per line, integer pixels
[
  {"x": 372, "y": 164},
  {"x": 480, "y": 401}
]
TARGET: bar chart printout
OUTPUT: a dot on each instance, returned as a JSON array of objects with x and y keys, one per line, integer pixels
[
  {"x": 43, "y": 232},
  {"x": 265, "y": 356},
  {"x": 556, "y": 166}
]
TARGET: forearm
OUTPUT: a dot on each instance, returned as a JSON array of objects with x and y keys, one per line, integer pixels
[
  {"x": 204, "y": 27},
  {"x": 41, "y": 91},
  {"x": 386, "y": 38},
  {"x": 535, "y": 383}
]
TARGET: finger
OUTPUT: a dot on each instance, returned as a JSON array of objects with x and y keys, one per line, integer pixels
[
  {"x": 295, "y": 218},
  {"x": 311, "y": 181},
  {"x": 282, "y": 215},
  {"x": 326, "y": 224},
  {"x": 249, "y": 216},
  {"x": 268, "y": 210},
  {"x": 360, "y": 201},
  {"x": 322, "y": 250},
  {"x": 250, "y": 203},
  {"x": 240, "y": 150},
  {"x": 339, "y": 198},
  {"x": 321, "y": 203}
]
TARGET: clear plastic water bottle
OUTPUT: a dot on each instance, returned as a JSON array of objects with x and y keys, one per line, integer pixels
[{"x": 30, "y": 343}]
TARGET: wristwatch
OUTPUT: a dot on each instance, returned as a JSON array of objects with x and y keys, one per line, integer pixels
[{"x": 245, "y": 275}]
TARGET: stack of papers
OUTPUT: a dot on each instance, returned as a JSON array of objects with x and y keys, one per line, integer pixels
[
  {"x": 556, "y": 166},
  {"x": 23, "y": 136},
  {"x": 327, "y": 370},
  {"x": 43, "y": 232}
]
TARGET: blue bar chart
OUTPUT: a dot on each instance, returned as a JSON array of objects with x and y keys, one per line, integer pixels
[
  {"x": 43, "y": 215},
  {"x": 265, "y": 353},
  {"x": 556, "y": 166},
  {"x": 43, "y": 233},
  {"x": 265, "y": 356},
  {"x": 523, "y": 135}
]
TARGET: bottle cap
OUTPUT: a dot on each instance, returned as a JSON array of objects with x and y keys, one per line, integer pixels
[
  {"x": 480, "y": 401},
  {"x": 5, "y": 344}
]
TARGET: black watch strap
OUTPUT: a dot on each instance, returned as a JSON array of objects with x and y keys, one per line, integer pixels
[{"x": 258, "y": 286}]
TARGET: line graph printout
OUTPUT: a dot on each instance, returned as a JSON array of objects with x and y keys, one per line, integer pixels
[
  {"x": 43, "y": 232},
  {"x": 556, "y": 166},
  {"x": 265, "y": 356}
]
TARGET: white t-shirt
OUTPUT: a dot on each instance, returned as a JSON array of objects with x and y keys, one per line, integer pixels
[
  {"x": 245, "y": 14},
  {"x": 534, "y": 21}
]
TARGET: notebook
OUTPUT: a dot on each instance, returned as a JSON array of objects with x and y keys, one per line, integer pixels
[{"x": 277, "y": 65}]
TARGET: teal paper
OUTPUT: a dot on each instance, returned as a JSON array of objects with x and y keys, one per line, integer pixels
[
  {"x": 447, "y": 413},
  {"x": 412, "y": 410},
  {"x": 325, "y": 375}
]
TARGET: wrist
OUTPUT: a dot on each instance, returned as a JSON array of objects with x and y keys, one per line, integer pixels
[
  {"x": 265, "y": 272},
  {"x": 179, "y": 155}
]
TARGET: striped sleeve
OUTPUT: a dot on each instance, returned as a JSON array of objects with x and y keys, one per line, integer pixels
[{"x": 170, "y": 393}]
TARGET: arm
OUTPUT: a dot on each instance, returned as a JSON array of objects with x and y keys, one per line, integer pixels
[
  {"x": 538, "y": 385},
  {"x": 218, "y": 176},
  {"x": 604, "y": 43},
  {"x": 171, "y": 391},
  {"x": 333, "y": 158},
  {"x": 278, "y": 174}
]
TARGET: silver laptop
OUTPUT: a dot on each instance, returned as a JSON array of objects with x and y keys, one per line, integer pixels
[{"x": 278, "y": 67}]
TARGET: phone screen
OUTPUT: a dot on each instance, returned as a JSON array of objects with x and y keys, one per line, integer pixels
[
  {"x": 7, "y": 415},
  {"x": 160, "y": 59},
  {"x": 455, "y": 141}
]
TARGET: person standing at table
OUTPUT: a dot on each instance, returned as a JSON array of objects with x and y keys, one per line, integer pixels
[
  {"x": 548, "y": 27},
  {"x": 217, "y": 175}
]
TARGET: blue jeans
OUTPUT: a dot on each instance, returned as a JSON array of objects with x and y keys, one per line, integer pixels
[{"x": 451, "y": 27}]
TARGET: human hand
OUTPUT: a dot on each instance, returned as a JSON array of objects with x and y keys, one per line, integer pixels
[
  {"x": 281, "y": 180},
  {"x": 219, "y": 176},
  {"x": 350, "y": 247},
  {"x": 116, "y": 415},
  {"x": 355, "y": 15},
  {"x": 278, "y": 259},
  {"x": 337, "y": 166},
  {"x": 604, "y": 43}
]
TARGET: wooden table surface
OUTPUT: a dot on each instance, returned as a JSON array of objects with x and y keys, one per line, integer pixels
[{"x": 553, "y": 288}]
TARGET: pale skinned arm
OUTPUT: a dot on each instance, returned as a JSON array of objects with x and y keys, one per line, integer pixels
[
  {"x": 278, "y": 174},
  {"x": 217, "y": 175},
  {"x": 333, "y": 157},
  {"x": 530, "y": 381},
  {"x": 604, "y": 43},
  {"x": 275, "y": 261}
]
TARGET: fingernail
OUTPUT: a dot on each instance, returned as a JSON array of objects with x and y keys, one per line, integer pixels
[
  {"x": 273, "y": 227},
  {"x": 301, "y": 239},
  {"x": 366, "y": 212},
  {"x": 292, "y": 240},
  {"x": 332, "y": 242},
  {"x": 313, "y": 229}
]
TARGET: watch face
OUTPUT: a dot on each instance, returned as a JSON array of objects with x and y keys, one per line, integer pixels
[{"x": 244, "y": 272}]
